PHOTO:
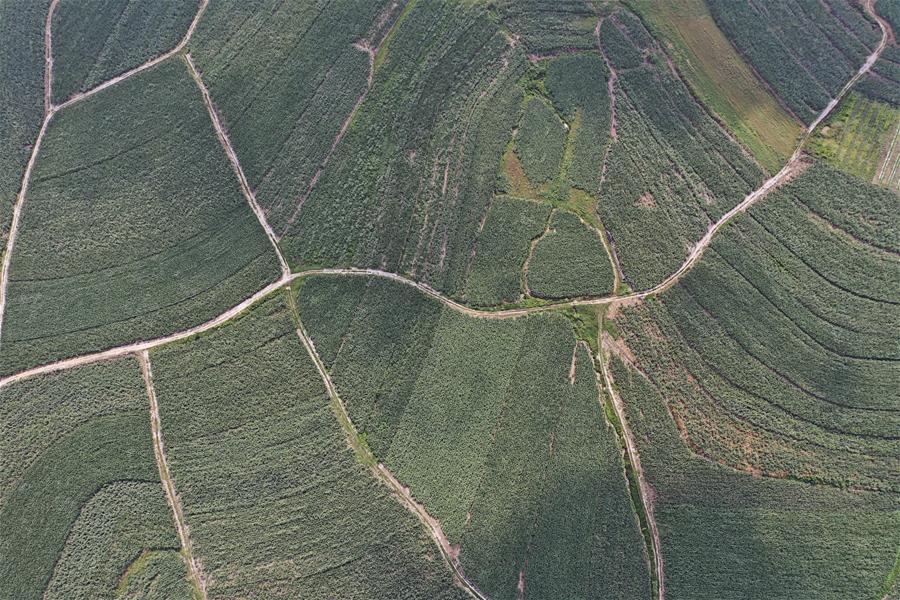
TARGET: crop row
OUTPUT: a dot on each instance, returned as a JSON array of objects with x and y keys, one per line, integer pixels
[
  {"x": 80, "y": 496},
  {"x": 495, "y": 431},
  {"x": 98, "y": 39},
  {"x": 805, "y": 50},
  {"x": 22, "y": 100},
  {"x": 770, "y": 365},
  {"x": 671, "y": 170},
  {"x": 276, "y": 504},
  {"x": 726, "y": 534},
  {"x": 134, "y": 225},
  {"x": 410, "y": 182},
  {"x": 285, "y": 77},
  {"x": 550, "y": 27}
]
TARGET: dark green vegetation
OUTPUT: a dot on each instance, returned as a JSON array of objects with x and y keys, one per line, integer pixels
[
  {"x": 276, "y": 504},
  {"x": 154, "y": 576},
  {"x": 496, "y": 427},
  {"x": 539, "y": 142},
  {"x": 410, "y": 182},
  {"x": 80, "y": 496},
  {"x": 96, "y": 40},
  {"x": 671, "y": 170},
  {"x": 578, "y": 86},
  {"x": 285, "y": 76},
  {"x": 726, "y": 534},
  {"x": 883, "y": 81},
  {"x": 120, "y": 519},
  {"x": 569, "y": 260},
  {"x": 21, "y": 95},
  {"x": 805, "y": 50},
  {"x": 133, "y": 227},
  {"x": 502, "y": 249},
  {"x": 547, "y": 28},
  {"x": 777, "y": 353}
]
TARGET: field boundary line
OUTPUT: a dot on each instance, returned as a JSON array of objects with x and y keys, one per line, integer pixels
[
  {"x": 635, "y": 459},
  {"x": 378, "y": 469},
  {"x": 79, "y": 96},
  {"x": 225, "y": 141},
  {"x": 193, "y": 564},
  {"x": 49, "y": 110}
]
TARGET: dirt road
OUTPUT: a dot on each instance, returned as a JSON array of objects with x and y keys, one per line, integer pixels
[{"x": 195, "y": 572}]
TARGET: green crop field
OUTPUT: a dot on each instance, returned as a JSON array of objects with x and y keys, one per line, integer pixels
[
  {"x": 96, "y": 40},
  {"x": 449, "y": 299},
  {"x": 525, "y": 475},
  {"x": 805, "y": 50},
  {"x": 436, "y": 119},
  {"x": 502, "y": 249},
  {"x": 569, "y": 260},
  {"x": 722, "y": 78},
  {"x": 727, "y": 534},
  {"x": 860, "y": 138},
  {"x": 285, "y": 77},
  {"x": 777, "y": 353},
  {"x": 21, "y": 98},
  {"x": 671, "y": 170},
  {"x": 131, "y": 191},
  {"x": 80, "y": 496},
  {"x": 275, "y": 502}
]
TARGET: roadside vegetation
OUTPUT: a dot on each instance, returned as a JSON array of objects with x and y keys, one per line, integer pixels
[
  {"x": 274, "y": 500},
  {"x": 722, "y": 79},
  {"x": 96, "y": 40},
  {"x": 525, "y": 475},
  {"x": 134, "y": 225},
  {"x": 80, "y": 495}
]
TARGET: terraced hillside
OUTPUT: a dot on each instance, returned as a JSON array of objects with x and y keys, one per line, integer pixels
[{"x": 509, "y": 300}]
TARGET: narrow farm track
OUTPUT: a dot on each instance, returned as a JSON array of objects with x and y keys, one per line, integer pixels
[
  {"x": 235, "y": 163},
  {"x": 49, "y": 110},
  {"x": 379, "y": 470},
  {"x": 195, "y": 572},
  {"x": 635, "y": 459}
]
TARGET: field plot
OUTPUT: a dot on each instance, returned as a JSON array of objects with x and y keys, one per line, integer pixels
[
  {"x": 496, "y": 427},
  {"x": 569, "y": 260},
  {"x": 134, "y": 225},
  {"x": 409, "y": 184},
  {"x": 671, "y": 169},
  {"x": 276, "y": 504},
  {"x": 723, "y": 79},
  {"x": 540, "y": 140},
  {"x": 286, "y": 77},
  {"x": 860, "y": 138},
  {"x": 805, "y": 50},
  {"x": 777, "y": 353},
  {"x": 80, "y": 496},
  {"x": 550, "y": 28},
  {"x": 726, "y": 534},
  {"x": 96, "y": 40},
  {"x": 502, "y": 249},
  {"x": 22, "y": 96}
]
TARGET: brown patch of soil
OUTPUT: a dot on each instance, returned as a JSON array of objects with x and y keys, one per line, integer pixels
[{"x": 646, "y": 199}]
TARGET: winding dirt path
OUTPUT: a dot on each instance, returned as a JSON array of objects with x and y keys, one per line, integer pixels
[
  {"x": 235, "y": 163},
  {"x": 195, "y": 571},
  {"x": 634, "y": 458}
]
